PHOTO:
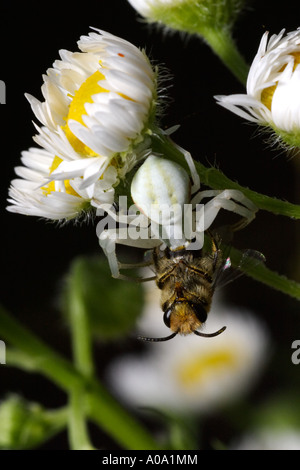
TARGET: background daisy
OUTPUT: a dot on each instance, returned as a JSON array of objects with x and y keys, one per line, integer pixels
[{"x": 189, "y": 374}]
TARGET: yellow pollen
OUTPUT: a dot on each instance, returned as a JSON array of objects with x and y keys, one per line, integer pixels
[
  {"x": 51, "y": 186},
  {"x": 76, "y": 110},
  {"x": 198, "y": 368},
  {"x": 267, "y": 94}
]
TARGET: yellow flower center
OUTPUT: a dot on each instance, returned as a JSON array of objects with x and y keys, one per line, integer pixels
[
  {"x": 197, "y": 369},
  {"x": 51, "y": 186},
  {"x": 77, "y": 109},
  {"x": 267, "y": 93}
]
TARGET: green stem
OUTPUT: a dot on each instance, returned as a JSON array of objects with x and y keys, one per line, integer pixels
[
  {"x": 102, "y": 408},
  {"x": 217, "y": 180},
  {"x": 268, "y": 277},
  {"x": 83, "y": 360},
  {"x": 221, "y": 42},
  {"x": 80, "y": 327},
  {"x": 77, "y": 426}
]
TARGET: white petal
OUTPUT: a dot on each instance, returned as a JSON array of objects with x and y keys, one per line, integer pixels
[
  {"x": 93, "y": 172},
  {"x": 75, "y": 168},
  {"x": 286, "y": 103}
]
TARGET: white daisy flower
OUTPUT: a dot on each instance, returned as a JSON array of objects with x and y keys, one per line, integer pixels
[
  {"x": 35, "y": 195},
  {"x": 273, "y": 86},
  {"x": 187, "y": 374},
  {"x": 269, "y": 439},
  {"x": 96, "y": 119}
]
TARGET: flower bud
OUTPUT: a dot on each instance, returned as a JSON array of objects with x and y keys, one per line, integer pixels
[{"x": 192, "y": 16}]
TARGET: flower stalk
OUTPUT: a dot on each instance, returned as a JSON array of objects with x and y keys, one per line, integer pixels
[
  {"x": 83, "y": 360},
  {"x": 223, "y": 45},
  {"x": 211, "y": 21},
  {"x": 33, "y": 355}
]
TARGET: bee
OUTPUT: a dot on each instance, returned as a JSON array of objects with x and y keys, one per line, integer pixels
[{"x": 187, "y": 280}]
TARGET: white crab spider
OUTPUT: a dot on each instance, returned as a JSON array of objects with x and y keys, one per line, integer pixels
[{"x": 161, "y": 183}]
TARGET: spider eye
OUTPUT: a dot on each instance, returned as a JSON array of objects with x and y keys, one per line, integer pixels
[
  {"x": 200, "y": 311},
  {"x": 167, "y": 317}
]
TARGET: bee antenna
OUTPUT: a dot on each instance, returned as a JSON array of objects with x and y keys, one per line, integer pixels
[
  {"x": 157, "y": 340},
  {"x": 210, "y": 335}
]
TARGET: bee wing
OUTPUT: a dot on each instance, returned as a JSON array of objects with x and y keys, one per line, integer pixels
[{"x": 236, "y": 265}]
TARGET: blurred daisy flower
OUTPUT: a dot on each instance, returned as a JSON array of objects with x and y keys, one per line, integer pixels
[
  {"x": 273, "y": 85},
  {"x": 99, "y": 108},
  {"x": 191, "y": 374},
  {"x": 269, "y": 439}
]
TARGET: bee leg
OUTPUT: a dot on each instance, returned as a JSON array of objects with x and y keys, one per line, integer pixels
[{"x": 215, "y": 248}]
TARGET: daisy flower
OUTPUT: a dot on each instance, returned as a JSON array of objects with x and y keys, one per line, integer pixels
[
  {"x": 269, "y": 439},
  {"x": 97, "y": 114},
  {"x": 272, "y": 99},
  {"x": 34, "y": 194},
  {"x": 190, "y": 375}
]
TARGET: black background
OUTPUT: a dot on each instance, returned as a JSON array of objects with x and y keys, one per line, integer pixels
[{"x": 35, "y": 255}]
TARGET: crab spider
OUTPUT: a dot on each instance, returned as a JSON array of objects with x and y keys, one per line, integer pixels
[{"x": 161, "y": 189}]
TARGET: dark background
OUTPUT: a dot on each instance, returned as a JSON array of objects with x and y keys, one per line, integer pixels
[{"x": 35, "y": 255}]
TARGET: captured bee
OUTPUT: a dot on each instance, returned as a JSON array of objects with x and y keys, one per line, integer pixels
[{"x": 187, "y": 280}]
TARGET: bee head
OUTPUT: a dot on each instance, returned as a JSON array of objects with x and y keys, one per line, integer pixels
[{"x": 185, "y": 316}]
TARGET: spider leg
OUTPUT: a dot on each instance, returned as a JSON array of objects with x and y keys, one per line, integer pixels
[
  {"x": 194, "y": 174},
  {"x": 231, "y": 200},
  {"x": 108, "y": 240}
]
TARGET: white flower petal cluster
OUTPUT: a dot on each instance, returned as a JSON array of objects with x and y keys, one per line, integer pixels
[
  {"x": 191, "y": 374},
  {"x": 273, "y": 87},
  {"x": 97, "y": 113}
]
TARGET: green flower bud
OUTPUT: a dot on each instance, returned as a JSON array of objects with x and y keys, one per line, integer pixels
[
  {"x": 192, "y": 16},
  {"x": 212, "y": 20},
  {"x": 26, "y": 425}
]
